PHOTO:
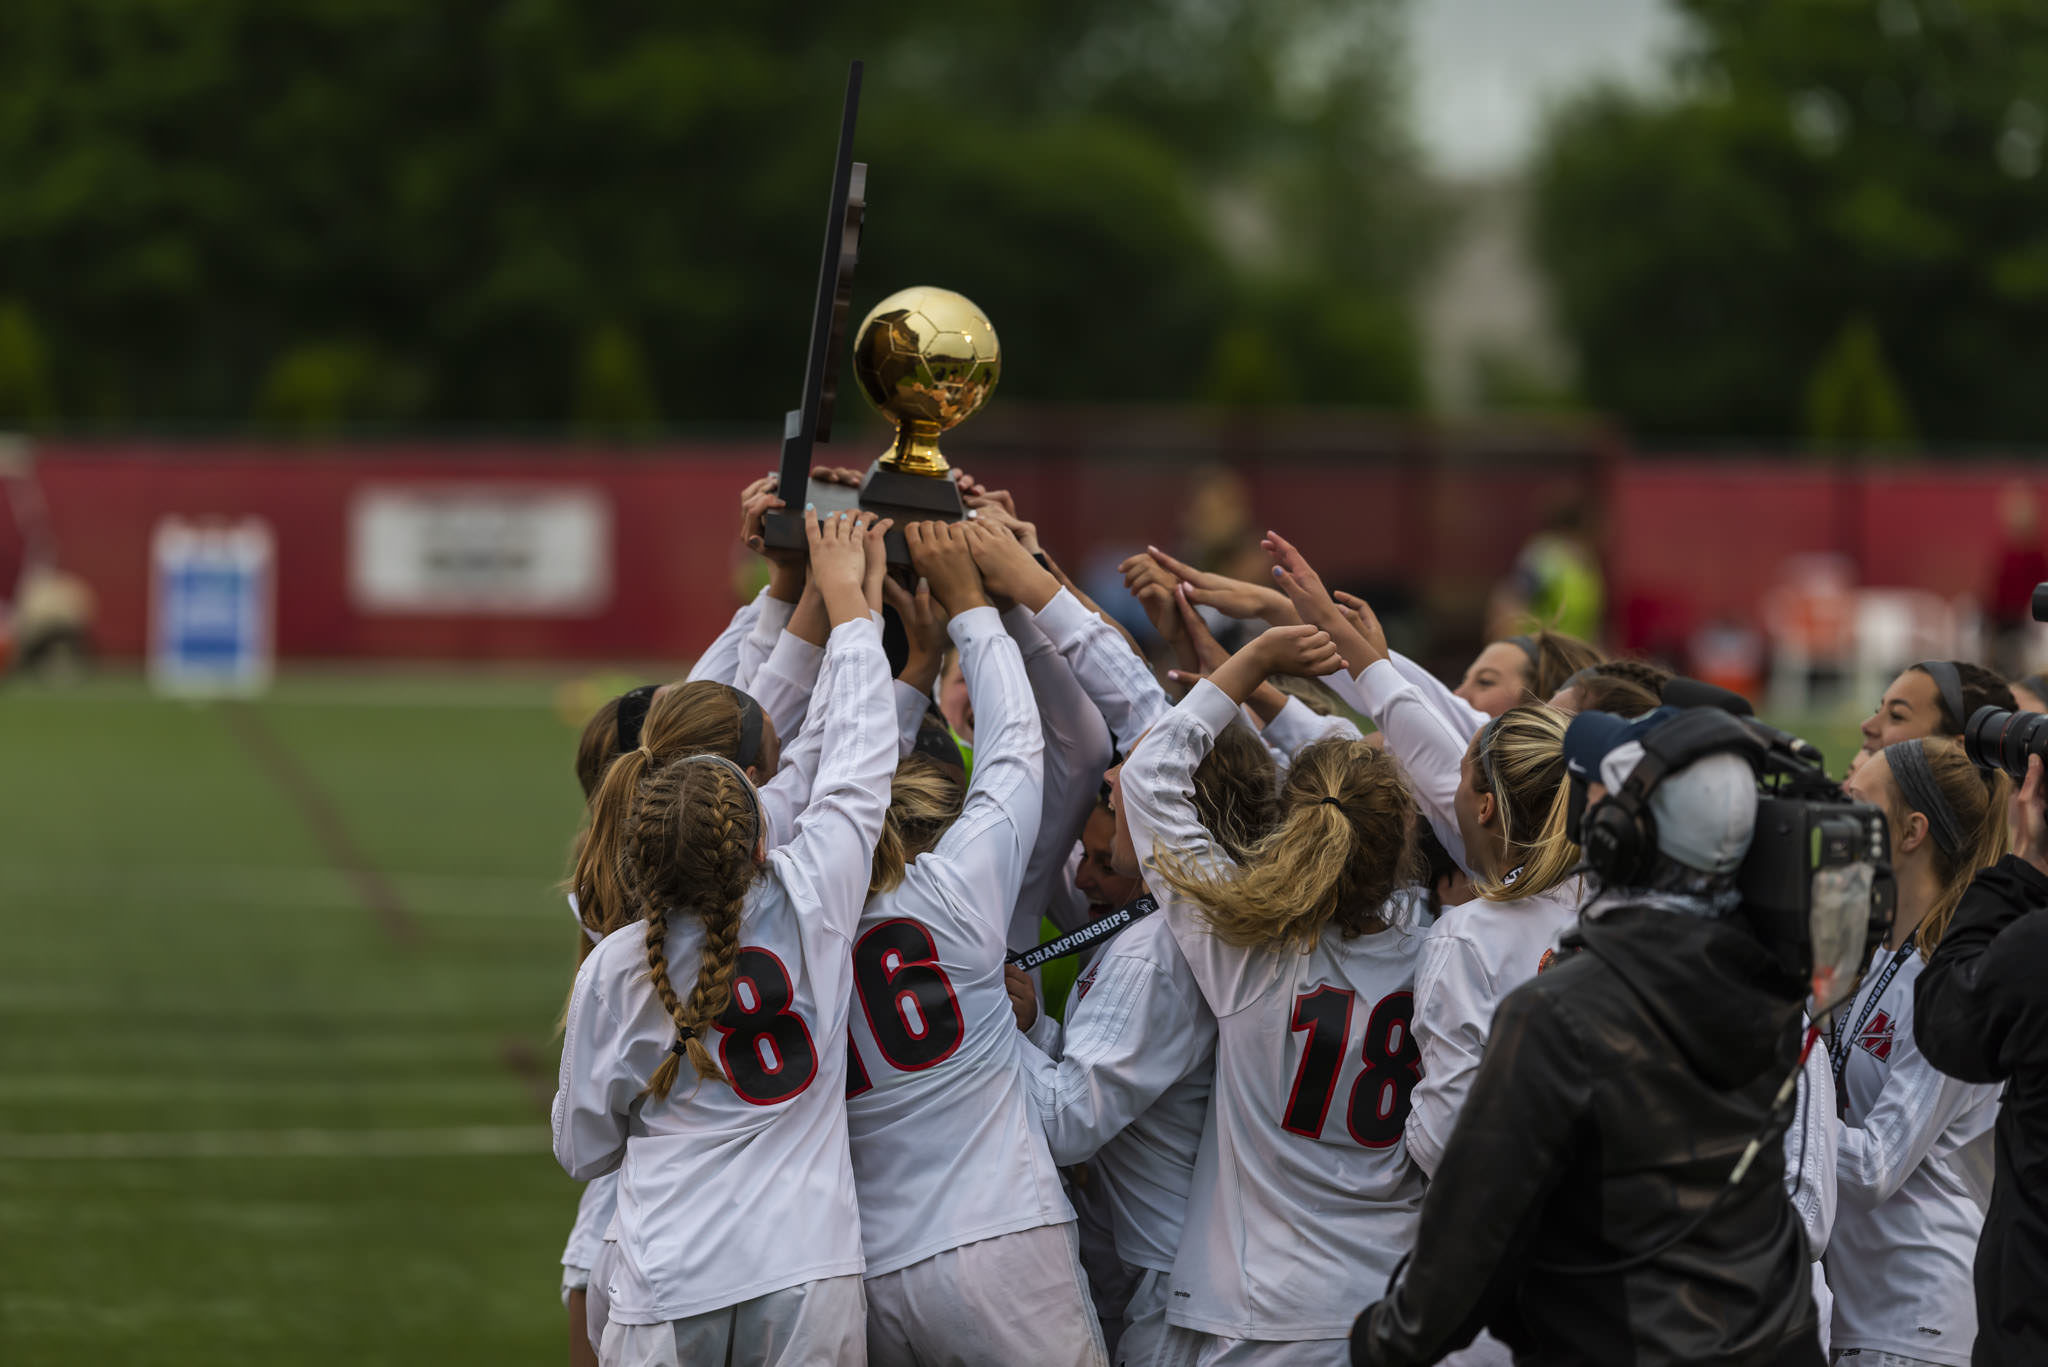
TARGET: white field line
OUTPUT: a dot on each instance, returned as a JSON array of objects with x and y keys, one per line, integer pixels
[{"x": 115, "y": 1145}]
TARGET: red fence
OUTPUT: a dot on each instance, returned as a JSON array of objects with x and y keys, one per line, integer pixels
[{"x": 1685, "y": 542}]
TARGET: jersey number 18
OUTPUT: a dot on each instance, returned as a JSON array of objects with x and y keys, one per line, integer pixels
[{"x": 1378, "y": 1110}]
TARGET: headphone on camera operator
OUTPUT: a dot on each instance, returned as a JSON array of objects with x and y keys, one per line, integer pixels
[{"x": 1803, "y": 867}]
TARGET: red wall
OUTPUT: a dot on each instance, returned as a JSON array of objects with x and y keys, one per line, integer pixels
[
  {"x": 1689, "y": 542},
  {"x": 1685, "y": 541}
]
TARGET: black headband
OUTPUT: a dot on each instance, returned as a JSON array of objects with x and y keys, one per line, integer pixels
[
  {"x": 1949, "y": 680},
  {"x": 750, "y": 729},
  {"x": 1908, "y": 759},
  {"x": 1527, "y": 645},
  {"x": 633, "y": 705}
]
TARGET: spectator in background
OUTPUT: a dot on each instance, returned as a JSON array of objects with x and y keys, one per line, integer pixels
[
  {"x": 1556, "y": 583},
  {"x": 2021, "y": 565},
  {"x": 1980, "y": 1014}
]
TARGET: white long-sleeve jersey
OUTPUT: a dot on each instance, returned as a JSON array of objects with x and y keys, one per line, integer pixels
[
  {"x": 1473, "y": 956},
  {"x": 1304, "y": 1196},
  {"x": 946, "y": 1150},
  {"x": 1117, "y": 681},
  {"x": 1811, "y": 1145},
  {"x": 729, "y": 1191},
  {"x": 1128, "y": 1092},
  {"x": 1913, "y": 1177},
  {"x": 720, "y": 662},
  {"x": 1077, "y": 749}
]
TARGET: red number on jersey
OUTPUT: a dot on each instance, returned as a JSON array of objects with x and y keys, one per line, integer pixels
[
  {"x": 765, "y": 1047},
  {"x": 906, "y": 996},
  {"x": 1377, "y": 1112}
]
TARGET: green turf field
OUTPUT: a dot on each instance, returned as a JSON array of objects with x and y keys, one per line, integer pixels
[
  {"x": 258, "y": 1105},
  {"x": 253, "y": 1108}
]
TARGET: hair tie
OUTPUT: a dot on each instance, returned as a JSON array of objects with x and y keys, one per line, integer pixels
[
  {"x": 684, "y": 1035},
  {"x": 1948, "y": 681},
  {"x": 1923, "y": 794},
  {"x": 633, "y": 705},
  {"x": 1331, "y": 801}
]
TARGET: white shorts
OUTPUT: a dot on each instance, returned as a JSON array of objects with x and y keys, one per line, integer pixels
[
  {"x": 597, "y": 1297},
  {"x": 1015, "y": 1298},
  {"x": 818, "y": 1324},
  {"x": 1145, "y": 1328},
  {"x": 1192, "y": 1348}
]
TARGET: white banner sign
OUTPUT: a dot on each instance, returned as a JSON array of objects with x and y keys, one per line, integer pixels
[{"x": 476, "y": 548}]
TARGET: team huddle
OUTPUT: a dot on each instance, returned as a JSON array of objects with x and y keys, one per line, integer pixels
[{"x": 830, "y": 1107}]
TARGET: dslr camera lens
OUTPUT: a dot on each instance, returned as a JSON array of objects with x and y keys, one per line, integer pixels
[{"x": 1998, "y": 739}]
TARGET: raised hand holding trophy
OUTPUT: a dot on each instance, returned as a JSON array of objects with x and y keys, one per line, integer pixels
[{"x": 926, "y": 358}]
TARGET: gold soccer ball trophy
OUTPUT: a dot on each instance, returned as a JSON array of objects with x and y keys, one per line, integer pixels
[{"x": 927, "y": 359}]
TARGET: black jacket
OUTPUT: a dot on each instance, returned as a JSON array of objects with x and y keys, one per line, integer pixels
[
  {"x": 1619, "y": 1089},
  {"x": 1980, "y": 1013}
]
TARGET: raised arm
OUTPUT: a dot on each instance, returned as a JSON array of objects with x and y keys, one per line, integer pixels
[
  {"x": 1113, "y": 675},
  {"x": 786, "y": 574},
  {"x": 1430, "y": 748},
  {"x": 1077, "y": 750},
  {"x": 1453, "y": 1013},
  {"x": 982, "y": 853},
  {"x": 827, "y": 862},
  {"x": 720, "y": 661}
]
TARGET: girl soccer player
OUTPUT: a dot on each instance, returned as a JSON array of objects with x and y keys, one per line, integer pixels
[
  {"x": 739, "y": 1236},
  {"x": 970, "y": 1243},
  {"x": 1914, "y": 1168},
  {"x": 1303, "y": 1178}
]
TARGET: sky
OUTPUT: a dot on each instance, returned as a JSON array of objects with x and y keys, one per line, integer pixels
[{"x": 1485, "y": 68}]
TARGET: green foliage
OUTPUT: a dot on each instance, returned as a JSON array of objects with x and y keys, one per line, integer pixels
[
  {"x": 613, "y": 397},
  {"x": 24, "y": 370},
  {"x": 202, "y": 194},
  {"x": 1853, "y": 401},
  {"x": 1816, "y": 162}
]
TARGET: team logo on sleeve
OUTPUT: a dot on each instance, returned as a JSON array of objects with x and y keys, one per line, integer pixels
[
  {"x": 1876, "y": 1039},
  {"x": 1549, "y": 958}
]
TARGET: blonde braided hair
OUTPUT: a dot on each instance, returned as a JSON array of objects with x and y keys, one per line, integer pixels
[{"x": 690, "y": 833}]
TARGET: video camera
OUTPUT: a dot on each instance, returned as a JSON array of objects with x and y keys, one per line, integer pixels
[
  {"x": 1816, "y": 884},
  {"x": 1994, "y": 738}
]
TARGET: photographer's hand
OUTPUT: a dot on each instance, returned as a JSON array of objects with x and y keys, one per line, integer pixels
[{"x": 2027, "y": 815}]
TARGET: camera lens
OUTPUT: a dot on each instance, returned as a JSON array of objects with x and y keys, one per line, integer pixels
[
  {"x": 1982, "y": 734},
  {"x": 1998, "y": 739}
]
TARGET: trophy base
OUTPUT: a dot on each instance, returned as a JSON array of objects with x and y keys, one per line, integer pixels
[{"x": 888, "y": 493}]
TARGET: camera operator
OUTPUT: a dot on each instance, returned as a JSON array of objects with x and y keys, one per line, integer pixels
[
  {"x": 1583, "y": 1208},
  {"x": 1914, "y": 1167},
  {"x": 1980, "y": 1013}
]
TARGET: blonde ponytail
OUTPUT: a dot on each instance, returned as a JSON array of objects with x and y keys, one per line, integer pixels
[
  {"x": 924, "y": 800},
  {"x": 1340, "y": 849},
  {"x": 1978, "y": 801},
  {"x": 1520, "y": 760}
]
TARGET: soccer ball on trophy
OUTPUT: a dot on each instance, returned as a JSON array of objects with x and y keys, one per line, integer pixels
[{"x": 926, "y": 358}]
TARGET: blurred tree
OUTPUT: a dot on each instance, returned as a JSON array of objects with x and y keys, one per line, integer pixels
[
  {"x": 1816, "y": 162},
  {"x": 198, "y": 191},
  {"x": 613, "y": 398},
  {"x": 25, "y": 398},
  {"x": 1853, "y": 402}
]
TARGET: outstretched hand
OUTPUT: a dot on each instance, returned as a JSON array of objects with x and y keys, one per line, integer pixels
[
  {"x": 875, "y": 546},
  {"x": 839, "y": 561},
  {"x": 940, "y": 552},
  {"x": 924, "y": 626},
  {"x": 1361, "y": 643},
  {"x": 1299, "y": 649},
  {"x": 1231, "y": 597},
  {"x": 757, "y": 500}
]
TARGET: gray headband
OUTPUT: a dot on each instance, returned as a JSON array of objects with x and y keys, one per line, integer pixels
[
  {"x": 1527, "y": 645},
  {"x": 1948, "y": 682},
  {"x": 1915, "y": 776}
]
